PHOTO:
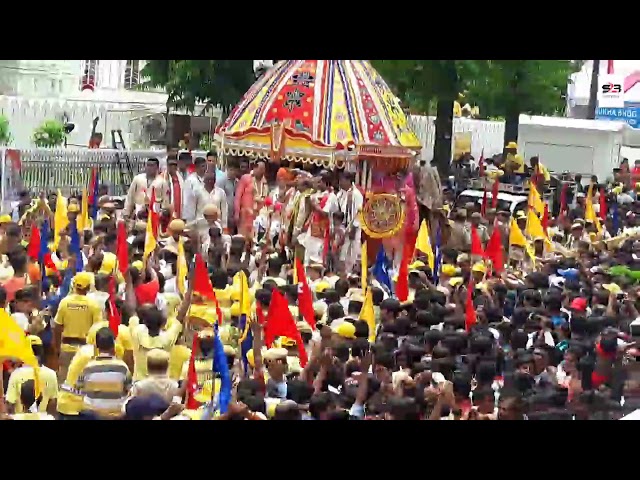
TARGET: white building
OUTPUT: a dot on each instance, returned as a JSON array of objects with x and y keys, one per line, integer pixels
[{"x": 32, "y": 91}]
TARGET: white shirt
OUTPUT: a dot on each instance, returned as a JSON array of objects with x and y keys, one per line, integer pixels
[
  {"x": 351, "y": 217},
  {"x": 192, "y": 186}
]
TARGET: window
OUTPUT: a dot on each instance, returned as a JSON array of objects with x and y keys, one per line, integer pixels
[
  {"x": 132, "y": 74},
  {"x": 89, "y": 74}
]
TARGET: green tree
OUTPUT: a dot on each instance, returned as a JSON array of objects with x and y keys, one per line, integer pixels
[
  {"x": 508, "y": 88},
  {"x": 218, "y": 83},
  {"x": 419, "y": 82}
]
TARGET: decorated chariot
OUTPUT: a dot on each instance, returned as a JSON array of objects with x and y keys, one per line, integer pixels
[{"x": 337, "y": 114}]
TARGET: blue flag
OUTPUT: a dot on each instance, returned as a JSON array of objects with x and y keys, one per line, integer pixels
[
  {"x": 438, "y": 260},
  {"x": 221, "y": 367},
  {"x": 615, "y": 218},
  {"x": 246, "y": 341},
  {"x": 381, "y": 269},
  {"x": 74, "y": 247}
]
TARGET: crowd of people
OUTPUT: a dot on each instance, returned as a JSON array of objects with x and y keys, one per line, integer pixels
[{"x": 240, "y": 290}]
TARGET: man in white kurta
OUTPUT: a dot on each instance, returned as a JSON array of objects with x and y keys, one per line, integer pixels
[
  {"x": 140, "y": 190},
  {"x": 192, "y": 187},
  {"x": 350, "y": 202}
]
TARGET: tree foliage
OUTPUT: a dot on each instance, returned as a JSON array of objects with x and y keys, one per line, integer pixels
[{"x": 188, "y": 82}]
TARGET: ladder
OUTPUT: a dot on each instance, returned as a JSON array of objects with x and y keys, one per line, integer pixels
[{"x": 125, "y": 172}]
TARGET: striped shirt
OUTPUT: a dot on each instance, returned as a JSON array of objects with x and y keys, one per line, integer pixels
[{"x": 104, "y": 384}]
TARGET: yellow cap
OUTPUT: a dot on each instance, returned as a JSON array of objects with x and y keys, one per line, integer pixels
[
  {"x": 73, "y": 208},
  {"x": 520, "y": 215},
  {"x": 108, "y": 263},
  {"x": 287, "y": 342},
  {"x": 234, "y": 311},
  {"x": 138, "y": 265},
  {"x": 34, "y": 340},
  {"x": 449, "y": 270},
  {"x": 250, "y": 359},
  {"x": 345, "y": 330},
  {"x": 479, "y": 267},
  {"x": 512, "y": 145},
  {"x": 455, "y": 281},
  {"x": 5, "y": 219},
  {"x": 415, "y": 265},
  {"x": 322, "y": 286},
  {"x": 82, "y": 280},
  {"x": 612, "y": 288}
]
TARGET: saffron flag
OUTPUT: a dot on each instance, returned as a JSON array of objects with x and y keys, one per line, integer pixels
[
  {"x": 589, "y": 212},
  {"x": 402, "y": 285},
  {"x": 151, "y": 238},
  {"x": 305, "y": 300},
  {"x": 535, "y": 201},
  {"x": 364, "y": 265},
  {"x": 534, "y": 226},
  {"x": 14, "y": 344},
  {"x": 192, "y": 378},
  {"x": 201, "y": 282},
  {"x": 60, "y": 219},
  {"x": 423, "y": 244},
  {"x": 367, "y": 314},
  {"x": 280, "y": 323},
  {"x": 516, "y": 237},
  {"x": 181, "y": 268}
]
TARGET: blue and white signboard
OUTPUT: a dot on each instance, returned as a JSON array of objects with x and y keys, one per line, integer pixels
[{"x": 630, "y": 114}]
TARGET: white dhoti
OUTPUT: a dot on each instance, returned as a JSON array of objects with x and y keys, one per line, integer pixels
[
  {"x": 351, "y": 250},
  {"x": 313, "y": 249}
]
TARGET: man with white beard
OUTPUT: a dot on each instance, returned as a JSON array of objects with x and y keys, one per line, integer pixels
[{"x": 350, "y": 202}]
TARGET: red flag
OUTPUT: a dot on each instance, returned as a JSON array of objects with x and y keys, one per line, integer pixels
[
  {"x": 494, "y": 193},
  {"x": 114, "y": 315},
  {"x": 260, "y": 314},
  {"x": 481, "y": 164},
  {"x": 476, "y": 243},
  {"x": 494, "y": 251},
  {"x": 122, "y": 249},
  {"x": 217, "y": 305},
  {"x": 603, "y": 205},
  {"x": 483, "y": 208},
  {"x": 470, "y": 317},
  {"x": 280, "y": 323},
  {"x": 192, "y": 377},
  {"x": 402, "y": 285},
  {"x": 201, "y": 282},
  {"x": 33, "y": 249},
  {"x": 305, "y": 300}
]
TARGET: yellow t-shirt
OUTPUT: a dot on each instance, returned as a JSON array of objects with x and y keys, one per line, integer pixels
[
  {"x": 76, "y": 314},
  {"x": 69, "y": 403},
  {"x": 142, "y": 342},
  {"x": 516, "y": 162},
  {"x": 48, "y": 381},
  {"x": 178, "y": 358}
]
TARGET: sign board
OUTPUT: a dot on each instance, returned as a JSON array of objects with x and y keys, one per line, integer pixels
[
  {"x": 611, "y": 91},
  {"x": 630, "y": 115}
]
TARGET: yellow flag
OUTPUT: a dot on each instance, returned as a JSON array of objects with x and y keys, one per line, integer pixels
[
  {"x": 589, "y": 212},
  {"x": 534, "y": 226},
  {"x": 182, "y": 269},
  {"x": 532, "y": 254},
  {"x": 245, "y": 296},
  {"x": 83, "y": 218},
  {"x": 364, "y": 266},
  {"x": 516, "y": 236},
  {"x": 295, "y": 270},
  {"x": 535, "y": 200},
  {"x": 15, "y": 344},
  {"x": 150, "y": 241},
  {"x": 423, "y": 243},
  {"x": 368, "y": 315},
  {"x": 60, "y": 219}
]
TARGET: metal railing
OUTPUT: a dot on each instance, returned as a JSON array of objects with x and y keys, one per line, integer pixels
[{"x": 43, "y": 169}]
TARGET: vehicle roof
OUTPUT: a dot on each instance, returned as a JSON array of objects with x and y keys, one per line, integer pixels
[
  {"x": 507, "y": 197},
  {"x": 563, "y": 122}
]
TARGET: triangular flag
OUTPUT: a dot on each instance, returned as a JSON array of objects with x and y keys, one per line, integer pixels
[
  {"x": 535, "y": 201},
  {"x": 423, "y": 244},
  {"x": 364, "y": 265},
  {"x": 201, "y": 282},
  {"x": 470, "y": 318},
  {"x": 181, "y": 268},
  {"x": 151, "y": 238},
  {"x": 122, "y": 248},
  {"x": 14, "y": 343},
  {"x": 60, "y": 219},
  {"x": 367, "y": 314},
  {"x": 494, "y": 251},
  {"x": 476, "y": 243},
  {"x": 402, "y": 285},
  {"x": 516, "y": 237},
  {"x": 192, "y": 378},
  {"x": 280, "y": 323},
  {"x": 534, "y": 226},
  {"x": 33, "y": 249}
]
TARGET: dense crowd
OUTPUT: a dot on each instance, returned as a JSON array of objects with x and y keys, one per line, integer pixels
[{"x": 236, "y": 290}]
